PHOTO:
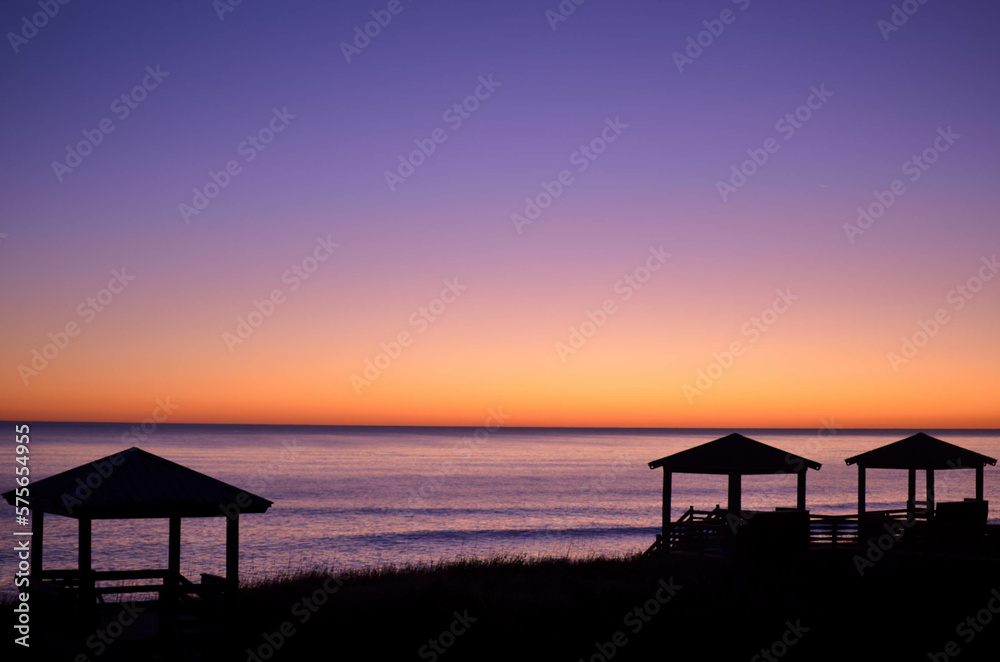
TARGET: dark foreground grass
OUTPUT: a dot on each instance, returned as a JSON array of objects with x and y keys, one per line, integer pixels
[
  {"x": 807, "y": 607},
  {"x": 624, "y": 609}
]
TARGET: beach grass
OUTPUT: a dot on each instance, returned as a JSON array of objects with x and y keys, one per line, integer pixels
[{"x": 681, "y": 607}]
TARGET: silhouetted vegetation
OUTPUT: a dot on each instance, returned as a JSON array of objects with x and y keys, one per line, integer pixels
[
  {"x": 633, "y": 608},
  {"x": 572, "y": 609}
]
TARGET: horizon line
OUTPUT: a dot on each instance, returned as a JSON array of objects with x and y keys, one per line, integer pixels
[{"x": 509, "y": 427}]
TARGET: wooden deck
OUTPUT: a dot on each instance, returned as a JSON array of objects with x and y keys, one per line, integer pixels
[
  {"x": 166, "y": 620},
  {"x": 719, "y": 532}
]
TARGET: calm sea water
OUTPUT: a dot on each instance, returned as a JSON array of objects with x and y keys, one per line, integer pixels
[{"x": 361, "y": 497}]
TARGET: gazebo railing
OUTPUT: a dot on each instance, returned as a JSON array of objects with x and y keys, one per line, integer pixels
[
  {"x": 699, "y": 529},
  {"x": 920, "y": 513},
  {"x": 692, "y": 515},
  {"x": 833, "y": 530},
  {"x": 705, "y": 529},
  {"x": 166, "y": 588}
]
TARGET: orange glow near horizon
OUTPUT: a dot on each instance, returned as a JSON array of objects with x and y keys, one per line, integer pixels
[
  {"x": 506, "y": 341},
  {"x": 765, "y": 387}
]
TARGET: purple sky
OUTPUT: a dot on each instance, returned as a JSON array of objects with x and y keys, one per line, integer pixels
[{"x": 324, "y": 174}]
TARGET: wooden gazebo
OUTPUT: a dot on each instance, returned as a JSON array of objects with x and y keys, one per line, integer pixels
[
  {"x": 134, "y": 484},
  {"x": 920, "y": 452},
  {"x": 735, "y": 456}
]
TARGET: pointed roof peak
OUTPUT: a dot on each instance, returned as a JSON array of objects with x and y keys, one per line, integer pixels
[
  {"x": 134, "y": 483},
  {"x": 921, "y": 451},
  {"x": 734, "y": 453}
]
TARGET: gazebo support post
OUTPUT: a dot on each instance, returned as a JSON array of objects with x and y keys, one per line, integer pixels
[
  {"x": 233, "y": 551},
  {"x": 173, "y": 578},
  {"x": 85, "y": 566},
  {"x": 37, "y": 542},
  {"x": 930, "y": 493},
  {"x": 736, "y": 494},
  {"x": 861, "y": 491},
  {"x": 800, "y": 501},
  {"x": 911, "y": 492},
  {"x": 979, "y": 485},
  {"x": 667, "y": 489},
  {"x": 174, "y": 551}
]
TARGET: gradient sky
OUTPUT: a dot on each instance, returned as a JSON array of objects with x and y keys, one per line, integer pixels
[{"x": 496, "y": 344}]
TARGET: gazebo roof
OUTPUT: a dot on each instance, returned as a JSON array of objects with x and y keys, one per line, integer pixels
[
  {"x": 921, "y": 451},
  {"x": 734, "y": 454},
  {"x": 136, "y": 484}
]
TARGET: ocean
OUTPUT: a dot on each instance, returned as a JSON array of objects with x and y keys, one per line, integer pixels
[{"x": 361, "y": 497}]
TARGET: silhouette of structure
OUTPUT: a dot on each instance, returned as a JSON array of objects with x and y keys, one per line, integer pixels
[
  {"x": 953, "y": 527},
  {"x": 922, "y": 452},
  {"x": 734, "y": 456},
  {"x": 135, "y": 484}
]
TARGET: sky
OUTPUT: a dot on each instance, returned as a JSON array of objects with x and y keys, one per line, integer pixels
[{"x": 711, "y": 214}]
